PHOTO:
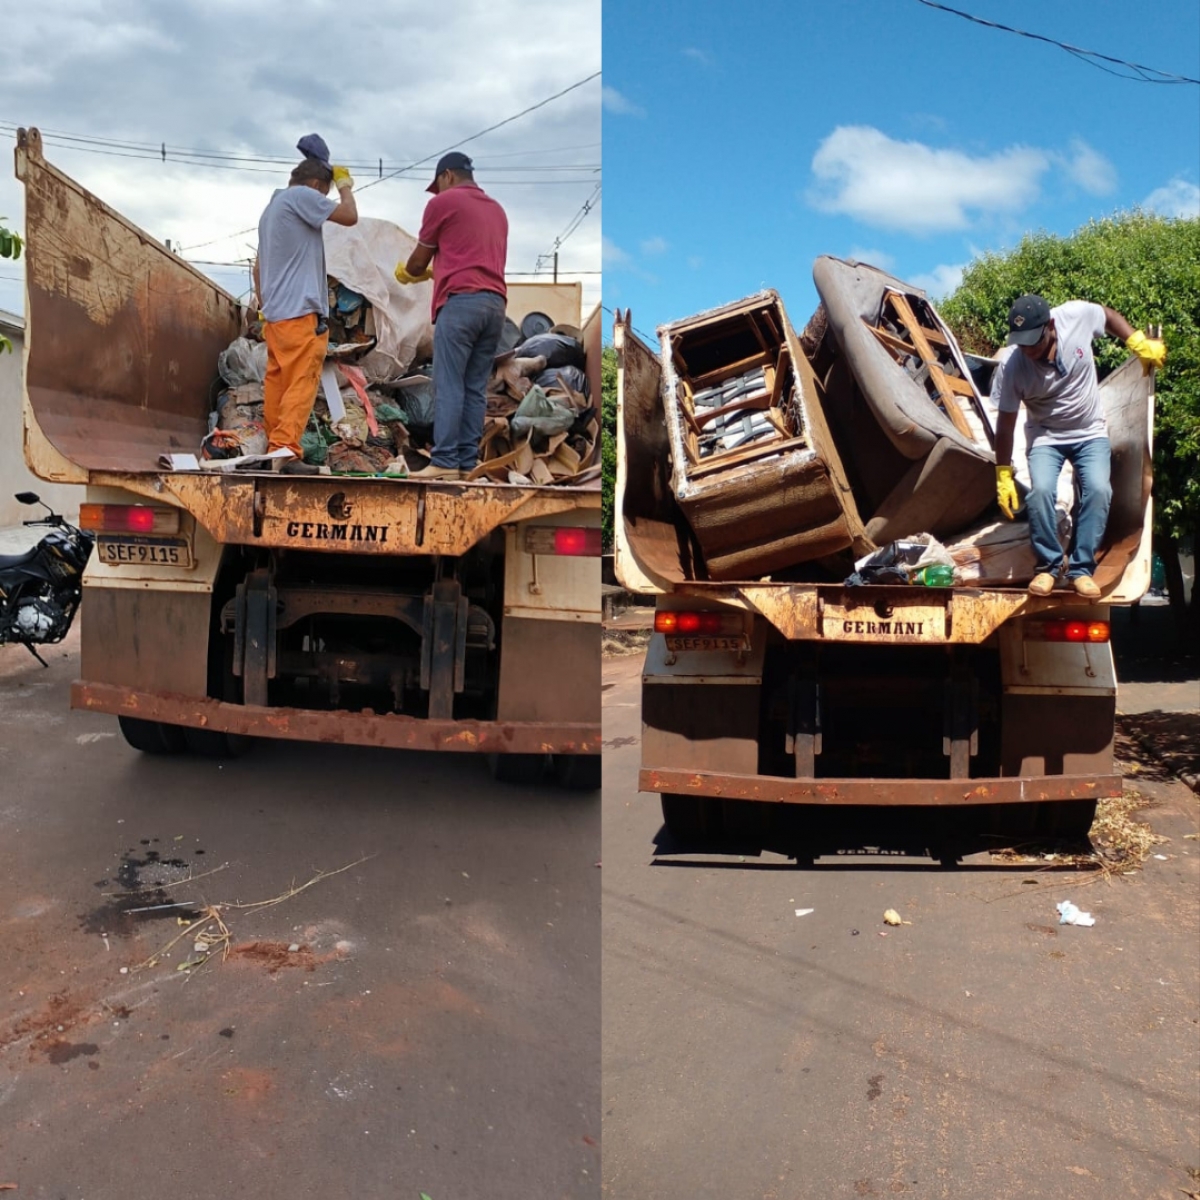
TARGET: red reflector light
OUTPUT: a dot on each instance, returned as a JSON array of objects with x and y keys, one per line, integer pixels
[
  {"x": 1062, "y": 630},
  {"x": 128, "y": 518},
  {"x": 704, "y": 624},
  {"x": 577, "y": 541}
]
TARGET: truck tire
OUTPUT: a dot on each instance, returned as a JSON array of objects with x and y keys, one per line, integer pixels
[
  {"x": 522, "y": 770},
  {"x": 691, "y": 818},
  {"x": 152, "y": 737},
  {"x": 212, "y": 743},
  {"x": 578, "y": 772},
  {"x": 1067, "y": 819}
]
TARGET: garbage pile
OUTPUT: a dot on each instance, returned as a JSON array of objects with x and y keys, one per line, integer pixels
[{"x": 541, "y": 426}]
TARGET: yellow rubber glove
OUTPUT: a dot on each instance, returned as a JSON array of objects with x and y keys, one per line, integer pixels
[
  {"x": 1151, "y": 351},
  {"x": 402, "y": 275},
  {"x": 1006, "y": 492},
  {"x": 342, "y": 178}
]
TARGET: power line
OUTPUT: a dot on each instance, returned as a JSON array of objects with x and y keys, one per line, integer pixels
[
  {"x": 1144, "y": 74},
  {"x": 572, "y": 225},
  {"x": 436, "y": 154}
]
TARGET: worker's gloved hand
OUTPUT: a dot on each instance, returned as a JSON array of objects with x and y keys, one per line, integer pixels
[
  {"x": 1151, "y": 351},
  {"x": 402, "y": 275},
  {"x": 342, "y": 178},
  {"x": 1006, "y": 492}
]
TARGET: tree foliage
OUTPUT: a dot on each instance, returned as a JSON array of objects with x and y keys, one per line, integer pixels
[
  {"x": 10, "y": 247},
  {"x": 608, "y": 432},
  {"x": 1148, "y": 269}
]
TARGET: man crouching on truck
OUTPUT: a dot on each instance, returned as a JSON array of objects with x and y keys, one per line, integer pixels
[
  {"x": 293, "y": 290},
  {"x": 1055, "y": 376}
]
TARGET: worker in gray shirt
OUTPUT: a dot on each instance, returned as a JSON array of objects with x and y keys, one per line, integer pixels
[
  {"x": 1054, "y": 376},
  {"x": 293, "y": 291}
]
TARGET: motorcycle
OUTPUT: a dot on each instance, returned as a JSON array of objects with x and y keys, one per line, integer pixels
[{"x": 40, "y": 590}]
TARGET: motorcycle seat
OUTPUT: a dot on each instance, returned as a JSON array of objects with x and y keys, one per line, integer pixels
[{"x": 9, "y": 561}]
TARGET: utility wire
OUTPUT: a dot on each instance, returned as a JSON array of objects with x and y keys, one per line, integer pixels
[
  {"x": 436, "y": 154},
  {"x": 572, "y": 225},
  {"x": 1143, "y": 74}
]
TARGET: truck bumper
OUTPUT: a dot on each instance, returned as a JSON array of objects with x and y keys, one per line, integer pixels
[
  {"x": 347, "y": 728},
  {"x": 772, "y": 789}
]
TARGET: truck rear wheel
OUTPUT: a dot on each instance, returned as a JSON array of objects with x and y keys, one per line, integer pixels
[
  {"x": 523, "y": 770},
  {"x": 578, "y": 772},
  {"x": 213, "y": 743},
  {"x": 691, "y": 818},
  {"x": 1067, "y": 819},
  {"x": 152, "y": 737}
]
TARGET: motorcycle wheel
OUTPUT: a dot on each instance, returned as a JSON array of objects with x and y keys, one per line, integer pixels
[{"x": 152, "y": 737}]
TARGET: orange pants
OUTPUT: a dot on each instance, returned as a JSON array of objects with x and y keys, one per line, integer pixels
[{"x": 295, "y": 356}]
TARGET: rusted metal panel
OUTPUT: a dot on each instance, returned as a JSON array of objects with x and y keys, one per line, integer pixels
[
  {"x": 1048, "y": 734},
  {"x": 345, "y": 728},
  {"x": 953, "y": 616},
  {"x": 123, "y": 335},
  {"x": 549, "y": 671},
  {"x": 701, "y": 728},
  {"x": 773, "y": 790},
  {"x": 354, "y": 516}
]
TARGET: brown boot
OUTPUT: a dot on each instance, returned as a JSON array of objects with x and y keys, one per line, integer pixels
[
  {"x": 431, "y": 472},
  {"x": 1042, "y": 585},
  {"x": 1085, "y": 586}
]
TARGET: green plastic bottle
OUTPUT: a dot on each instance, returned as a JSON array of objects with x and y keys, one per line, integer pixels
[{"x": 935, "y": 575}]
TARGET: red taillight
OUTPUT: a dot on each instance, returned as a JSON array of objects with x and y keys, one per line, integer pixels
[
  {"x": 702, "y": 623},
  {"x": 570, "y": 540},
  {"x": 128, "y": 518},
  {"x": 1062, "y": 630}
]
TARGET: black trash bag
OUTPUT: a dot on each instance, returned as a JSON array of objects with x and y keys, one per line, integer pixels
[
  {"x": 416, "y": 403},
  {"x": 571, "y": 377},
  {"x": 558, "y": 349}
]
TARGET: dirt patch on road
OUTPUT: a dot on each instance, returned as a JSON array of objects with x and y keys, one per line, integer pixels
[
  {"x": 276, "y": 955},
  {"x": 45, "y": 1028}
]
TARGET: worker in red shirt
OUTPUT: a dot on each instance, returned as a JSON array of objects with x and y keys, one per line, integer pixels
[{"x": 464, "y": 233}]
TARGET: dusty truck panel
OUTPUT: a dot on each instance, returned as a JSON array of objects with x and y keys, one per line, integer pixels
[
  {"x": 123, "y": 335},
  {"x": 458, "y": 616}
]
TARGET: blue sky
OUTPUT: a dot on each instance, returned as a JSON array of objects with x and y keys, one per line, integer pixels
[{"x": 742, "y": 141}]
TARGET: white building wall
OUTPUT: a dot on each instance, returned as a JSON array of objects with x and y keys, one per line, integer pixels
[{"x": 14, "y": 475}]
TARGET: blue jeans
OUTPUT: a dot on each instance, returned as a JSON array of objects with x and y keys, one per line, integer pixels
[
  {"x": 465, "y": 338},
  {"x": 1094, "y": 491}
]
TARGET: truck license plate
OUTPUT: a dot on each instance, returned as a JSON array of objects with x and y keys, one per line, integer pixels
[
  {"x": 157, "y": 552},
  {"x": 708, "y": 643}
]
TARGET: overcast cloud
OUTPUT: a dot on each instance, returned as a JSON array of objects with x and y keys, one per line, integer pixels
[
  {"x": 251, "y": 79},
  {"x": 915, "y": 188}
]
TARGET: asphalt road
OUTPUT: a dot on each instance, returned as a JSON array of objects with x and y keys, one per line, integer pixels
[
  {"x": 426, "y": 1021},
  {"x": 981, "y": 1051}
]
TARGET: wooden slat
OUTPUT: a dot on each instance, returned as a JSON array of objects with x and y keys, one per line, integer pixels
[
  {"x": 759, "y": 400},
  {"x": 720, "y": 374},
  {"x": 736, "y": 458}
]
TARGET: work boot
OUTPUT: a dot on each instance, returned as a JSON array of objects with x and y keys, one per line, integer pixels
[
  {"x": 1086, "y": 587},
  {"x": 297, "y": 466},
  {"x": 431, "y": 472},
  {"x": 1042, "y": 584}
]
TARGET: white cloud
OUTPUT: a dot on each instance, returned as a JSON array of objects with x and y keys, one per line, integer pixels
[
  {"x": 941, "y": 281},
  {"x": 615, "y": 102},
  {"x": 915, "y": 188},
  {"x": 876, "y": 258},
  {"x": 695, "y": 262},
  {"x": 613, "y": 255},
  {"x": 653, "y": 246},
  {"x": 1089, "y": 169},
  {"x": 701, "y": 56},
  {"x": 1177, "y": 199},
  {"x": 193, "y": 74}
]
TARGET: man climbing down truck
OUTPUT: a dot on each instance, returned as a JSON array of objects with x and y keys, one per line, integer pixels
[
  {"x": 1055, "y": 376},
  {"x": 293, "y": 291}
]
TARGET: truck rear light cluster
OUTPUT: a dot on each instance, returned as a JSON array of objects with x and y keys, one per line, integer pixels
[
  {"x": 705, "y": 624},
  {"x": 128, "y": 518},
  {"x": 571, "y": 540},
  {"x": 1062, "y": 629}
]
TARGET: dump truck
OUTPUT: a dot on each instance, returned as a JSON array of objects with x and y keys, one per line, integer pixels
[
  {"x": 777, "y": 695},
  {"x": 220, "y": 607}
]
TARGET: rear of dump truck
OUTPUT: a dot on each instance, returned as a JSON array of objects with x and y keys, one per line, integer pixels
[
  {"x": 438, "y": 616},
  {"x": 784, "y": 702}
]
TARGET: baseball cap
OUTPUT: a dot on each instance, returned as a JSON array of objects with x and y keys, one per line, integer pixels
[
  {"x": 1027, "y": 318},
  {"x": 456, "y": 160}
]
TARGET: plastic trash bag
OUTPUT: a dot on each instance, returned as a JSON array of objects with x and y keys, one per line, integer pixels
[
  {"x": 570, "y": 377},
  {"x": 243, "y": 361},
  {"x": 538, "y": 413},
  {"x": 559, "y": 350}
]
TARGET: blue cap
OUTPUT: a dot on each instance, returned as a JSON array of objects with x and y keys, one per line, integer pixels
[{"x": 312, "y": 145}]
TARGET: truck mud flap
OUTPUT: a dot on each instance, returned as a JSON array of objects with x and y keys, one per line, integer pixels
[
  {"x": 347, "y": 728},
  {"x": 772, "y": 789}
]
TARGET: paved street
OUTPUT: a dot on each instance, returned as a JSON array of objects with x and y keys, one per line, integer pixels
[
  {"x": 428, "y": 1020},
  {"x": 983, "y": 1051}
]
